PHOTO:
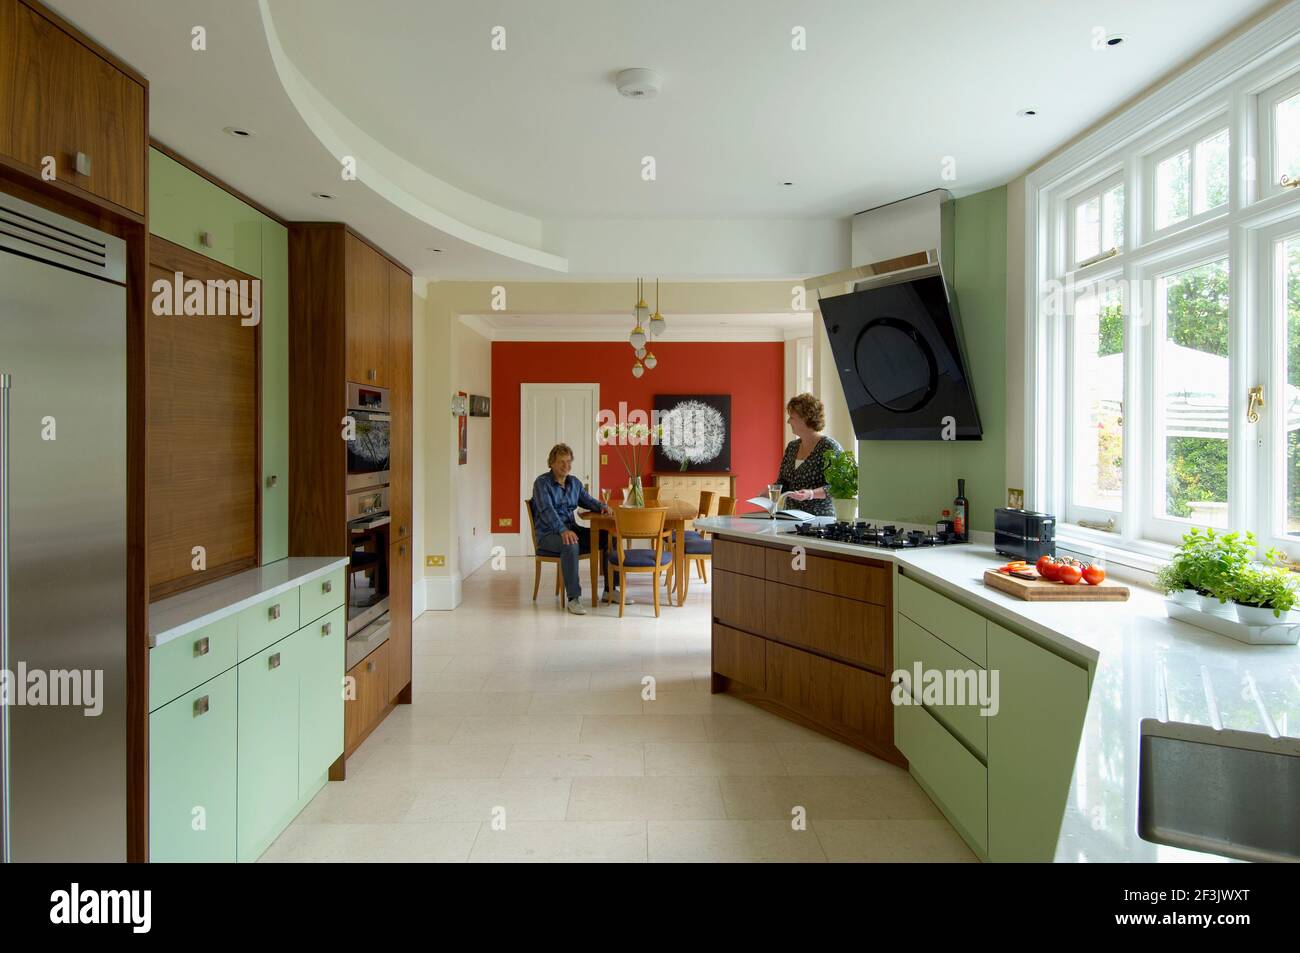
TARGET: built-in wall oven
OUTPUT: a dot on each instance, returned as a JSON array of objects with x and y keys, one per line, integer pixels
[{"x": 368, "y": 449}]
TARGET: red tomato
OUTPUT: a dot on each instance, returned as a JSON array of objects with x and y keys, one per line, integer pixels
[
  {"x": 1093, "y": 575},
  {"x": 1047, "y": 567},
  {"x": 1068, "y": 574}
]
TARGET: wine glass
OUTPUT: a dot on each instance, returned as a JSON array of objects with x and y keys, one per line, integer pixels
[
  {"x": 604, "y": 497},
  {"x": 774, "y": 494}
]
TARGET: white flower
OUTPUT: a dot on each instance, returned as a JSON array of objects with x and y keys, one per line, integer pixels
[{"x": 694, "y": 432}]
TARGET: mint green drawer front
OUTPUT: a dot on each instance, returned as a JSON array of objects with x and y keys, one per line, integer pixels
[
  {"x": 320, "y": 697},
  {"x": 183, "y": 206},
  {"x": 268, "y": 745},
  {"x": 268, "y": 621},
  {"x": 321, "y": 596},
  {"x": 953, "y": 775},
  {"x": 192, "y": 771},
  {"x": 914, "y": 644},
  {"x": 177, "y": 666},
  {"x": 961, "y": 628}
]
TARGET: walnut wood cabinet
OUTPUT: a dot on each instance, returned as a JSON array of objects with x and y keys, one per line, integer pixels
[
  {"x": 70, "y": 109},
  {"x": 350, "y": 321},
  {"x": 811, "y": 641}
]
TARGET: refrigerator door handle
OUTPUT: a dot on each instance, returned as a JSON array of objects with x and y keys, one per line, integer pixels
[{"x": 6, "y": 852}]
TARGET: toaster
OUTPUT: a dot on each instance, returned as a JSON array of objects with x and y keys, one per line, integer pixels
[{"x": 1024, "y": 534}]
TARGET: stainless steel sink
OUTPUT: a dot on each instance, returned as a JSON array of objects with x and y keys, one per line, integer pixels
[{"x": 1232, "y": 793}]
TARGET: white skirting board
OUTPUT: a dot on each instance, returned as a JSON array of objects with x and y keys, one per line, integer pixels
[{"x": 442, "y": 592}]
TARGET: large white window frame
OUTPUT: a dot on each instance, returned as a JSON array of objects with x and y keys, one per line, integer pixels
[{"x": 1233, "y": 87}]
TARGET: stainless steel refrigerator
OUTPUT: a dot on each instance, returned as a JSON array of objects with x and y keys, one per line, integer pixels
[{"x": 63, "y": 550}]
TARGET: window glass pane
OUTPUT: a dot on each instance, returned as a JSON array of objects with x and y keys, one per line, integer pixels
[
  {"x": 1087, "y": 229},
  {"x": 1211, "y": 172},
  {"x": 1193, "y": 409},
  {"x": 1172, "y": 190},
  {"x": 1286, "y": 138},
  {"x": 1291, "y": 401},
  {"x": 1097, "y": 440},
  {"x": 1112, "y": 219}
]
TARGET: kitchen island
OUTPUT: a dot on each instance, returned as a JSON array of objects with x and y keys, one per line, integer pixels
[{"x": 1054, "y": 773}]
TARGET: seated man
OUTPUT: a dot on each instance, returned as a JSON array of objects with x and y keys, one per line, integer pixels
[{"x": 555, "y": 496}]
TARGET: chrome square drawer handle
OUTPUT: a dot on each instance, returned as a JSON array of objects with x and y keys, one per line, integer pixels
[
  {"x": 327, "y": 628},
  {"x": 273, "y": 661},
  {"x": 327, "y": 586},
  {"x": 201, "y": 647},
  {"x": 370, "y": 666},
  {"x": 200, "y": 706},
  {"x": 274, "y": 611}
]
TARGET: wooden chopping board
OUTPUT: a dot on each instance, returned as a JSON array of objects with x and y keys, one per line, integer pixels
[{"x": 1045, "y": 590}]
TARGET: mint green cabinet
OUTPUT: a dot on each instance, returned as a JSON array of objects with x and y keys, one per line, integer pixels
[
  {"x": 177, "y": 666},
  {"x": 321, "y": 595},
  {"x": 268, "y": 744},
  {"x": 188, "y": 210},
  {"x": 267, "y": 622},
  {"x": 915, "y": 644},
  {"x": 192, "y": 774},
  {"x": 955, "y": 624},
  {"x": 1033, "y": 741},
  {"x": 275, "y": 391},
  {"x": 320, "y": 698}
]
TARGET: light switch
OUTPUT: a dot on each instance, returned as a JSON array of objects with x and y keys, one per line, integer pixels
[{"x": 604, "y": 459}]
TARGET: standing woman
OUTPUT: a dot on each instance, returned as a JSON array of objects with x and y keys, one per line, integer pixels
[{"x": 801, "y": 465}]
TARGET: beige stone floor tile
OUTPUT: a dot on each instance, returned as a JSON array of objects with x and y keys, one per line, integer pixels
[
  {"x": 476, "y": 799},
  {"x": 712, "y": 759},
  {"x": 574, "y": 760},
  {"x": 756, "y": 725},
  {"x": 730, "y": 841},
  {"x": 444, "y": 682},
  {"x": 540, "y": 681},
  {"x": 694, "y": 703},
  {"x": 892, "y": 841},
  {"x": 585, "y": 703},
  {"x": 507, "y": 729},
  {"x": 563, "y": 841},
  {"x": 828, "y": 758},
  {"x": 869, "y": 797},
  {"x": 627, "y": 728},
  {"x": 373, "y": 843},
  {"x": 381, "y": 799},
  {"x": 410, "y": 726},
  {"x": 422, "y": 762},
  {"x": 471, "y": 703},
  {"x": 664, "y": 681},
  {"x": 640, "y": 799}
]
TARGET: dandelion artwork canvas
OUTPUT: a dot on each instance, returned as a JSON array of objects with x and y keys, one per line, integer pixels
[{"x": 696, "y": 432}]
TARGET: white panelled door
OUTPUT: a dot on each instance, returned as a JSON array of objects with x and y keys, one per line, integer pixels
[{"x": 551, "y": 414}]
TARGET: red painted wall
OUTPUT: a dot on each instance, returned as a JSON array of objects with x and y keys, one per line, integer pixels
[{"x": 752, "y": 373}]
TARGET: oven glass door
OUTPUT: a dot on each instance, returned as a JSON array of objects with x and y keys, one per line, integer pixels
[
  {"x": 367, "y": 572},
  {"x": 368, "y": 449}
]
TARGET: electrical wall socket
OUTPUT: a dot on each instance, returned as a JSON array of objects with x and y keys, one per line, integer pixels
[
  {"x": 434, "y": 562},
  {"x": 505, "y": 521}
]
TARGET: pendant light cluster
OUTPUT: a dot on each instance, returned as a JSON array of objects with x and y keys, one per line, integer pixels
[{"x": 647, "y": 326}]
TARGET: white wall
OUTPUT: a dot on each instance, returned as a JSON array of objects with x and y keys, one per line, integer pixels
[
  {"x": 472, "y": 373},
  {"x": 1015, "y": 334},
  {"x": 419, "y": 443}
]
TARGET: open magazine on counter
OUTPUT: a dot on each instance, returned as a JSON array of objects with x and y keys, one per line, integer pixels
[{"x": 769, "y": 507}]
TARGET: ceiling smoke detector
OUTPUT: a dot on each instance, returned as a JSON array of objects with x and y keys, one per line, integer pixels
[{"x": 638, "y": 83}]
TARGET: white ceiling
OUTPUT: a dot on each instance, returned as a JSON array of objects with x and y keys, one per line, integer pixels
[
  {"x": 526, "y": 163},
  {"x": 504, "y": 326}
]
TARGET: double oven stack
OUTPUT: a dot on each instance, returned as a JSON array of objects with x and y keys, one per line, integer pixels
[{"x": 369, "y": 520}]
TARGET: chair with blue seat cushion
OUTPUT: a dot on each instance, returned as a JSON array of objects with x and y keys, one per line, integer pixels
[
  {"x": 548, "y": 556},
  {"x": 699, "y": 547},
  {"x": 633, "y": 523}
]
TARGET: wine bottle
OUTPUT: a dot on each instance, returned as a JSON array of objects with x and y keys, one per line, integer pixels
[{"x": 960, "y": 510}]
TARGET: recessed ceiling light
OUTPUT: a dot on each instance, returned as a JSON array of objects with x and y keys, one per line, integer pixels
[
  {"x": 239, "y": 132},
  {"x": 438, "y": 250},
  {"x": 787, "y": 184},
  {"x": 1115, "y": 39},
  {"x": 1027, "y": 113},
  {"x": 322, "y": 195}
]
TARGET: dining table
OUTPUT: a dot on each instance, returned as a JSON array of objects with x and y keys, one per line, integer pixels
[{"x": 602, "y": 523}]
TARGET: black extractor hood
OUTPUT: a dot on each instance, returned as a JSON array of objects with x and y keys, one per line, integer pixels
[{"x": 897, "y": 338}]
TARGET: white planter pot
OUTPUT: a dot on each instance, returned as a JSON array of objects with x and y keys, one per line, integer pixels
[
  {"x": 846, "y": 510},
  {"x": 1186, "y": 597},
  {"x": 1212, "y": 606},
  {"x": 1255, "y": 615}
]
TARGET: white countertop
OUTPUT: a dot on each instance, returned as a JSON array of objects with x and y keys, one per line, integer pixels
[
  {"x": 183, "y": 613},
  {"x": 1146, "y": 665}
]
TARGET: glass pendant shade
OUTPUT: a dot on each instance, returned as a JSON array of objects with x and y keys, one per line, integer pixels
[
  {"x": 640, "y": 353},
  {"x": 651, "y": 361},
  {"x": 637, "y": 369},
  {"x": 657, "y": 324},
  {"x": 637, "y": 338}
]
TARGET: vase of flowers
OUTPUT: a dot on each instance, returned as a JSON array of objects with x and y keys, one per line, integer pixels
[{"x": 631, "y": 443}]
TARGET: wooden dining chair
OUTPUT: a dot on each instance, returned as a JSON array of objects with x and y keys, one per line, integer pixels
[
  {"x": 632, "y": 523},
  {"x": 540, "y": 557},
  {"x": 726, "y": 505},
  {"x": 651, "y": 495}
]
